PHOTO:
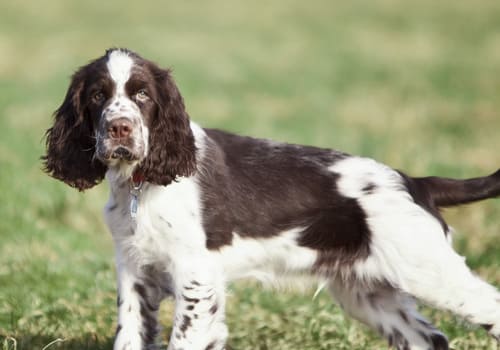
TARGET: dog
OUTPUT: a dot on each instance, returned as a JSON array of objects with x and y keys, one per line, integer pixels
[{"x": 192, "y": 208}]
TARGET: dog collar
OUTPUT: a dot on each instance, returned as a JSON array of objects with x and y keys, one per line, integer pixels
[{"x": 137, "y": 178}]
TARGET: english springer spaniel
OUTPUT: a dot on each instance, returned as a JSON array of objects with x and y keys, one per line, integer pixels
[{"x": 192, "y": 208}]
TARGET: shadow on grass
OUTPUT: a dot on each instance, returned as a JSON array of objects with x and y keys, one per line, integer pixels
[
  {"x": 43, "y": 342},
  {"x": 39, "y": 342}
]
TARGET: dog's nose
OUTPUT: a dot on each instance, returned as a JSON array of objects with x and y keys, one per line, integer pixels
[{"x": 120, "y": 128}]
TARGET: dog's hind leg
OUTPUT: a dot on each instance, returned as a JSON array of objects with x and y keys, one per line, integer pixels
[
  {"x": 416, "y": 258},
  {"x": 391, "y": 313},
  {"x": 447, "y": 283},
  {"x": 465, "y": 294}
]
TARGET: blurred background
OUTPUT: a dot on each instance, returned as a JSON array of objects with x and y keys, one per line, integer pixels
[{"x": 415, "y": 85}]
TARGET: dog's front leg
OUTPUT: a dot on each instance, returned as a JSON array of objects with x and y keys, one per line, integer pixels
[
  {"x": 138, "y": 305},
  {"x": 199, "y": 306}
]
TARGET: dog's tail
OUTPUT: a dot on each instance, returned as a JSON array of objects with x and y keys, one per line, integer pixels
[{"x": 444, "y": 192}]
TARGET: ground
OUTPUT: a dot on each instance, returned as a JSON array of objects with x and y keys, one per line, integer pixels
[{"x": 413, "y": 84}]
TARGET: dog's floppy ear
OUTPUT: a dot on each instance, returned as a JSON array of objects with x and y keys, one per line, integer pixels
[
  {"x": 70, "y": 142},
  {"x": 172, "y": 149}
]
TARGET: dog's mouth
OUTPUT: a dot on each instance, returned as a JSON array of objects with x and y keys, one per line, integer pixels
[
  {"x": 123, "y": 153},
  {"x": 117, "y": 154}
]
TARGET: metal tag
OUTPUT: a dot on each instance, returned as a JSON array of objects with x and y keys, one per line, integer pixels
[
  {"x": 135, "y": 190},
  {"x": 133, "y": 205}
]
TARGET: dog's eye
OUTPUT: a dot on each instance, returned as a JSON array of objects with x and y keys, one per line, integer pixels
[
  {"x": 141, "y": 95},
  {"x": 98, "y": 96}
]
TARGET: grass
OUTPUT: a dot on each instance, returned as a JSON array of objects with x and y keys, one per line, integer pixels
[{"x": 413, "y": 84}]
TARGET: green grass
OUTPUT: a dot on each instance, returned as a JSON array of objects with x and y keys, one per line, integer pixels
[{"x": 414, "y": 84}]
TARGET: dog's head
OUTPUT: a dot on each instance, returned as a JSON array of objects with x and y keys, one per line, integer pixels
[{"x": 120, "y": 111}]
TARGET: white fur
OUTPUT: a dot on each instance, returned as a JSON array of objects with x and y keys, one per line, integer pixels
[
  {"x": 119, "y": 67},
  {"x": 402, "y": 230},
  {"x": 129, "y": 311},
  {"x": 200, "y": 139},
  {"x": 267, "y": 259}
]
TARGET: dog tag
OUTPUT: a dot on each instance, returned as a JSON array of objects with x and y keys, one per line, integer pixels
[
  {"x": 135, "y": 191},
  {"x": 133, "y": 205}
]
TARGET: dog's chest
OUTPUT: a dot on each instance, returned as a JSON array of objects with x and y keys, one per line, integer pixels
[{"x": 158, "y": 225}]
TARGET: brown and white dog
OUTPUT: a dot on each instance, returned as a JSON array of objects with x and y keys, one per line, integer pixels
[{"x": 192, "y": 208}]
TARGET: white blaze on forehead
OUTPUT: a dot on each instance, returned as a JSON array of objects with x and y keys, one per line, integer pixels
[{"x": 119, "y": 67}]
